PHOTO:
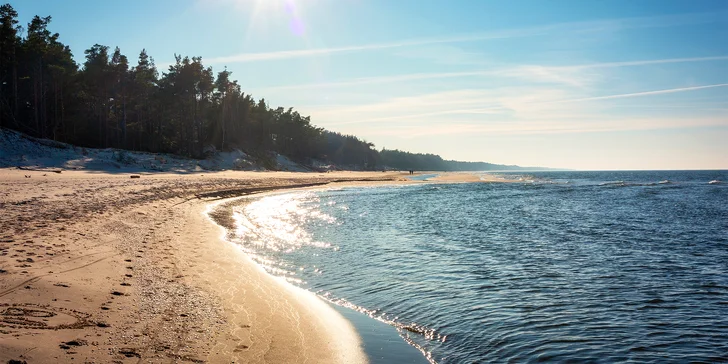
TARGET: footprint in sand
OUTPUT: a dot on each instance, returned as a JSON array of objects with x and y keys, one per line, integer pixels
[
  {"x": 240, "y": 348},
  {"x": 31, "y": 316}
]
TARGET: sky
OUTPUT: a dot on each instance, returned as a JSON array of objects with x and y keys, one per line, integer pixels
[{"x": 592, "y": 85}]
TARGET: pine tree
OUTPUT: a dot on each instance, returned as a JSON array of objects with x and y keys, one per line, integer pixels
[
  {"x": 95, "y": 75},
  {"x": 119, "y": 74},
  {"x": 107, "y": 103},
  {"x": 9, "y": 44}
]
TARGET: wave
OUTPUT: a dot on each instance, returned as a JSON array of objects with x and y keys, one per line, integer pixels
[
  {"x": 525, "y": 178},
  {"x": 714, "y": 182},
  {"x": 613, "y": 183},
  {"x": 269, "y": 227},
  {"x": 635, "y": 184},
  {"x": 405, "y": 330}
]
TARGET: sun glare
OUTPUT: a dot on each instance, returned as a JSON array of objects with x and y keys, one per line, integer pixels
[{"x": 268, "y": 12}]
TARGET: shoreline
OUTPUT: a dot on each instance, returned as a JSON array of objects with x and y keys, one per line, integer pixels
[
  {"x": 98, "y": 267},
  {"x": 380, "y": 342}
]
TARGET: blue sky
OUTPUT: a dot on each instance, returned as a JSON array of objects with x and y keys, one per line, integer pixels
[{"x": 571, "y": 84}]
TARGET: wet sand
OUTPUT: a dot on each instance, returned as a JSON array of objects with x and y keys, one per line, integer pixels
[{"x": 99, "y": 267}]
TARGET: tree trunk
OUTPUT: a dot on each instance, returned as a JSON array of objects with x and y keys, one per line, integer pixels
[
  {"x": 123, "y": 119},
  {"x": 193, "y": 128},
  {"x": 36, "y": 117},
  {"x": 63, "y": 113},
  {"x": 100, "y": 110},
  {"x": 15, "y": 89},
  {"x": 222, "y": 124},
  {"x": 105, "y": 118},
  {"x": 43, "y": 108},
  {"x": 55, "y": 112}
]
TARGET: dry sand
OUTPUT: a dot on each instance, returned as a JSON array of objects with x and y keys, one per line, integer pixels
[{"x": 97, "y": 267}]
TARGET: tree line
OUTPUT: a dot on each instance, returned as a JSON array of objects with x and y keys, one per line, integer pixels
[
  {"x": 108, "y": 101},
  {"x": 401, "y": 160}
]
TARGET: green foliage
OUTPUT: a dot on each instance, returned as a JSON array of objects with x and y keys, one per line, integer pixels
[
  {"x": 348, "y": 151},
  {"x": 405, "y": 161},
  {"x": 106, "y": 102},
  {"x": 398, "y": 159},
  {"x": 187, "y": 110}
]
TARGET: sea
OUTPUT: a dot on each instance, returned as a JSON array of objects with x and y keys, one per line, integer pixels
[{"x": 584, "y": 267}]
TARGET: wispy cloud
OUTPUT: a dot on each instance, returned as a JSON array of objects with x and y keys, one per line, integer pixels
[
  {"x": 444, "y": 54},
  {"x": 529, "y": 102},
  {"x": 645, "y": 93},
  {"x": 383, "y": 79},
  {"x": 418, "y": 117},
  {"x": 423, "y": 103},
  {"x": 301, "y": 53},
  {"x": 547, "y": 126},
  {"x": 558, "y": 74},
  {"x": 514, "y": 111},
  {"x": 644, "y": 62},
  {"x": 572, "y": 27},
  {"x": 584, "y": 74}
]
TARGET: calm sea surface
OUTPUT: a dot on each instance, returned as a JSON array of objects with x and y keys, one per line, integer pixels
[{"x": 558, "y": 266}]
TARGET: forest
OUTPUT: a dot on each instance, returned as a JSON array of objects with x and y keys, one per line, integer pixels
[{"x": 110, "y": 101}]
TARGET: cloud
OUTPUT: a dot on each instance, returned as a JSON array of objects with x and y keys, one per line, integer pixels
[
  {"x": 422, "y": 103},
  {"x": 583, "y": 75},
  {"x": 645, "y": 93},
  {"x": 383, "y": 79},
  {"x": 573, "y": 27},
  {"x": 477, "y": 111},
  {"x": 512, "y": 111},
  {"x": 543, "y": 127},
  {"x": 646, "y": 62},
  {"x": 512, "y": 103},
  {"x": 515, "y": 103},
  {"x": 301, "y": 53},
  {"x": 572, "y": 75},
  {"x": 443, "y": 54}
]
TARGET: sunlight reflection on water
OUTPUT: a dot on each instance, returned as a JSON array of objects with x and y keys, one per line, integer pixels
[{"x": 559, "y": 266}]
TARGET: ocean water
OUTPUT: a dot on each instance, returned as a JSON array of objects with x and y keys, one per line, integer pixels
[{"x": 556, "y": 267}]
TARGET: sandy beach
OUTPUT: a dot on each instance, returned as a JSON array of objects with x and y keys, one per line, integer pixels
[
  {"x": 104, "y": 268},
  {"x": 99, "y": 267}
]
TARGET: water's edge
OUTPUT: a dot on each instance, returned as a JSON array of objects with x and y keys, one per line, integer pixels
[
  {"x": 380, "y": 342},
  {"x": 584, "y": 266}
]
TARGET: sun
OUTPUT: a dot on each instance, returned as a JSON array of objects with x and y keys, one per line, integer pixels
[
  {"x": 267, "y": 12},
  {"x": 266, "y": 20}
]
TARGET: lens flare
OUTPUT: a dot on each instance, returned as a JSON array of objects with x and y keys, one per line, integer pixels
[{"x": 266, "y": 12}]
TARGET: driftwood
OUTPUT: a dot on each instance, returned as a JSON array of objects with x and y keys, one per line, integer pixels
[{"x": 40, "y": 169}]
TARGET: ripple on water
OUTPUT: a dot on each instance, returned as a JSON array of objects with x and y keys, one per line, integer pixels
[{"x": 611, "y": 266}]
